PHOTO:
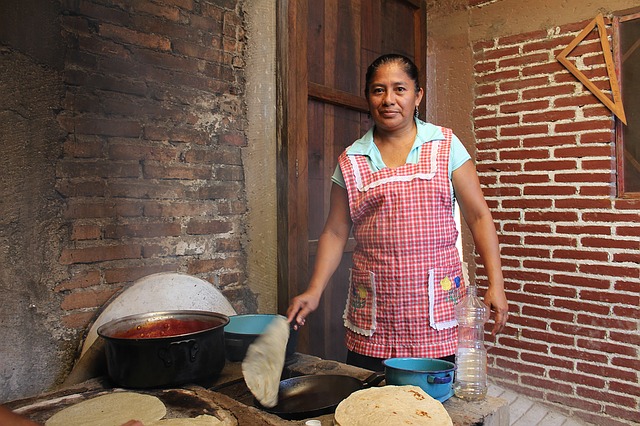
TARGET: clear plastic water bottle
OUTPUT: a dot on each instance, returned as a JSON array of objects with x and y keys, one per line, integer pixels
[{"x": 471, "y": 356}]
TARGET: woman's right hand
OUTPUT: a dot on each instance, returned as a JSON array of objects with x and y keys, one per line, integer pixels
[{"x": 301, "y": 306}]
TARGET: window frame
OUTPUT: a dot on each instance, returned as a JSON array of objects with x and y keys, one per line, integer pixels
[{"x": 618, "y": 19}]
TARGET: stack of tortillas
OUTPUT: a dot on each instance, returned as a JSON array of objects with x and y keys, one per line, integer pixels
[
  {"x": 262, "y": 365},
  {"x": 117, "y": 408},
  {"x": 392, "y": 405}
]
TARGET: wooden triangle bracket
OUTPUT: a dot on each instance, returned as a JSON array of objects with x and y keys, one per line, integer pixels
[{"x": 616, "y": 105}]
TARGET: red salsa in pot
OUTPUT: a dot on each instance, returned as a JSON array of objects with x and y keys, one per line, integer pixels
[{"x": 165, "y": 328}]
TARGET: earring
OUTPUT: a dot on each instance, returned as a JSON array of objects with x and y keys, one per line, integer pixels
[{"x": 416, "y": 112}]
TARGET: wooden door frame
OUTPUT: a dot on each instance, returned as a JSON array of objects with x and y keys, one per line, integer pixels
[
  {"x": 292, "y": 173},
  {"x": 420, "y": 47}
]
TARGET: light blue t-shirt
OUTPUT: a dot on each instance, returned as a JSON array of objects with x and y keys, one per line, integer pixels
[{"x": 426, "y": 132}]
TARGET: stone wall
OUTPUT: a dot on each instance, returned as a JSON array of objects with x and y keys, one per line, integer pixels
[{"x": 122, "y": 157}]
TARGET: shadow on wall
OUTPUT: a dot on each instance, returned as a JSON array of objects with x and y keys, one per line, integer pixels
[{"x": 30, "y": 208}]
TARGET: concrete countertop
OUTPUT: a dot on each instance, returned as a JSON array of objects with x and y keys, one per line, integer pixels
[
  {"x": 210, "y": 398},
  {"x": 489, "y": 412}
]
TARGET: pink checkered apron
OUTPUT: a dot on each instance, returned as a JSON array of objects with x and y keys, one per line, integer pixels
[{"x": 406, "y": 274}]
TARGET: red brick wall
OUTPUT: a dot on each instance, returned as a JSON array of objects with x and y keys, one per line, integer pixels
[
  {"x": 151, "y": 174},
  {"x": 570, "y": 248}
]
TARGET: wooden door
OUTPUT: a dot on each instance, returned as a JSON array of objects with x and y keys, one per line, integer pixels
[{"x": 325, "y": 47}]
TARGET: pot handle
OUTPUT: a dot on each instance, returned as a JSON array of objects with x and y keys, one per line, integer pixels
[
  {"x": 235, "y": 343},
  {"x": 167, "y": 355},
  {"x": 439, "y": 380},
  {"x": 374, "y": 379}
]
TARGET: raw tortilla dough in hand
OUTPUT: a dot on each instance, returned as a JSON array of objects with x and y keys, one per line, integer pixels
[{"x": 263, "y": 364}]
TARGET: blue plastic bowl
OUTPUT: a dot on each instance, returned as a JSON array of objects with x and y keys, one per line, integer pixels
[
  {"x": 249, "y": 323},
  {"x": 434, "y": 376}
]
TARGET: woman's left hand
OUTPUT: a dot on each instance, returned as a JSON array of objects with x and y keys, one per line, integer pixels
[{"x": 496, "y": 300}]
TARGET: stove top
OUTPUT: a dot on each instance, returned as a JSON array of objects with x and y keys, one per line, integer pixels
[{"x": 238, "y": 391}]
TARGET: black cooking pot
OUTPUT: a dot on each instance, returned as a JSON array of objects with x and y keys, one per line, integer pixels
[
  {"x": 160, "y": 349},
  {"x": 243, "y": 330}
]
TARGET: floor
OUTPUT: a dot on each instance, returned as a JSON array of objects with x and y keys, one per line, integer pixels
[{"x": 525, "y": 412}]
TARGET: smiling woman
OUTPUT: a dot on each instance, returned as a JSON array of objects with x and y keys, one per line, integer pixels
[
  {"x": 397, "y": 187},
  {"x": 393, "y": 98}
]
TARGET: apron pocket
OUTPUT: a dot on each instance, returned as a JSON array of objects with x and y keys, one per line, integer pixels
[
  {"x": 446, "y": 288},
  {"x": 360, "y": 313}
]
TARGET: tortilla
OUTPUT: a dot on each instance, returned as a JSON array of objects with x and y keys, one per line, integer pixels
[
  {"x": 391, "y": 405},
  {"x": 202, "y": 420},
  {"x": 112, "y": 409},
  {"x": 263, "y": 364}
]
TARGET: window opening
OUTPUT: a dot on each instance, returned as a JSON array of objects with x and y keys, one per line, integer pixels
[{"x": 627, "y": 56}]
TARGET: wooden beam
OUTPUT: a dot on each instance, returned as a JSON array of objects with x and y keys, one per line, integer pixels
[
  {"x": 292, "y": 147},
  {"x": 337, "y": 97}
]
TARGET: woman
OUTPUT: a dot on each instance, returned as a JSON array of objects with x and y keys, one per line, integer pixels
[{"x": 396, "y": 188}]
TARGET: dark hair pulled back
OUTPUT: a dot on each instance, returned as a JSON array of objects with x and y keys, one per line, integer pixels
[{"x": 405, "y": 63}]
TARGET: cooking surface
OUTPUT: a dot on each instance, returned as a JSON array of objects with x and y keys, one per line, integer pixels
[
  {"x": 179, "y": 402},
  {"x": 236, "y": 390},
  {"x": 489, "y": 412},
  {"x": 229, "y": 396}
]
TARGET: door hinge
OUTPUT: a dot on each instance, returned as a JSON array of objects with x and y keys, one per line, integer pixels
[{"x": 297, "y": 169}]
